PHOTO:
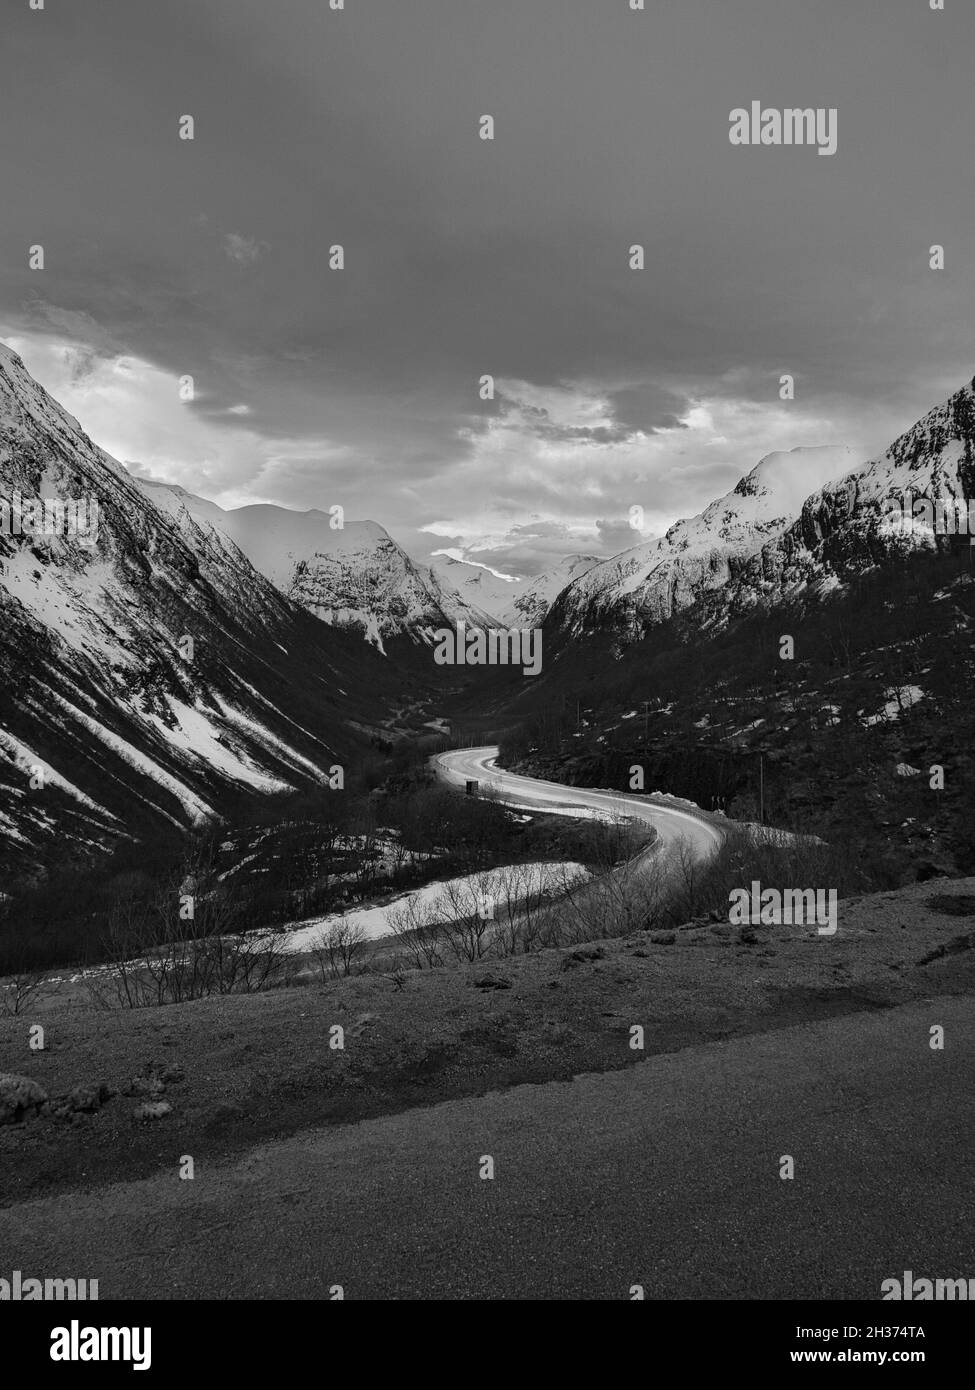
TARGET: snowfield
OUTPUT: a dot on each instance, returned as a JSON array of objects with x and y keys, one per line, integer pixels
[{"x": 374, "y": 922}]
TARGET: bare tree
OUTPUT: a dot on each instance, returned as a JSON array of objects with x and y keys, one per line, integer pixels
[
  {"x": 189, "y": 941},
  {"x": 18, "y": 989},
  {"x": 337, "y": 948},
  {"x": 465, "y": 908},
  {"x": 524, "y": 898},
  {"x": 417, "y": 930}
]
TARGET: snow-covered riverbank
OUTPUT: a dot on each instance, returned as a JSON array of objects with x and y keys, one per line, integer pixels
[{"x": 505, "y": 884}]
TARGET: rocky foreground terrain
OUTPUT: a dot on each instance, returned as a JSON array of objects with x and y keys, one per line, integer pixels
[{"x": 121, "y": 1094}]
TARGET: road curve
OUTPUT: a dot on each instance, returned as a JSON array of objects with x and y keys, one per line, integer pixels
[{"x": 461, "y": 765}]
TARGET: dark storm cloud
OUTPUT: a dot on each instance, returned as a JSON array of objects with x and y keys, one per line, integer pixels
[
  {"x": 510, "y": 258},
  {"x": 648, "y": 407},
  {"x": 616, "y": 534},
  {"x": 541, "y": 425}
]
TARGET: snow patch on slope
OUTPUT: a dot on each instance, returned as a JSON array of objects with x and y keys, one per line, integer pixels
[{"x": 27, "y": 760}]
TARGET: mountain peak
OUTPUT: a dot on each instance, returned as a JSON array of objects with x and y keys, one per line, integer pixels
[
  {"x": 354, "y": 576},
  {"x": 790, "y": 475},
  {"x": 25, "y": 403},
  {"x": 843, "y": 528},
  {"x": 651, "y": 581}
]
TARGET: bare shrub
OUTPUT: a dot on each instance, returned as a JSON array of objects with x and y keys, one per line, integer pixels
[
  {"x": 776, "y": 859},
  {"x": 689, "y": 880},
  {"x": 337, "y": 949},
  {"x": 617, "y": 902},
  {"x": 466, "y": 920},
  {"x": 417, "y": 930},
  {"x": 188, "y": 942},
  {"x": 526, "y": 897},
  {"x": 18, "y": 989}
]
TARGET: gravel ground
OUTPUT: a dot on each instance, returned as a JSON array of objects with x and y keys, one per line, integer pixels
[{"x": 240, "y": 1070}]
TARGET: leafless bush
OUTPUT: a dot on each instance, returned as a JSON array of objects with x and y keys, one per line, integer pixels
[
  {"x": 187, "y": 943},
  {"x": 338, "y": 948},
  {"x": 195, "y": 967},
  {"x": 776, "y": 859},
  {"x": 17, "y": 990},
  {"x": 416, "y": 929},
  {"x": 465, "y": 909},
  {"x": 524, "y": 895},
  {"x": 688, "y": 880},
  {"x": 615, "y": 903}
]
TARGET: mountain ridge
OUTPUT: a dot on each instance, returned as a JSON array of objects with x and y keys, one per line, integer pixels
[
  {"x": 112, "y": 721},
  {"x": 843, "y": 530},
  {"x": 653, "y": 580},
  {"x": 352, "y": 576}
]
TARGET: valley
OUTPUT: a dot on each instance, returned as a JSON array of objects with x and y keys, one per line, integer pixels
[
  {"x": 487, "y": 749},
  {"x": 280, "y": 746}
]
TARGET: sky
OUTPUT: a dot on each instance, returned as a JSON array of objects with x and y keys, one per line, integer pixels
[{"x": 614, "y": 388}]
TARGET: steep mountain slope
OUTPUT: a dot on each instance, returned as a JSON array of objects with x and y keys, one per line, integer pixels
[
  {"x": 515, "y": 602},
  {"x": 109, "y": 723},
  {"x": 865, "y": 738},
  {"x": 532, "y": 605},
  {"x": 354, "y": 577},
  {"x": 652, "y": 581},
  {"x": 480, "y": 587},
  {"x": 845, "y": 527}
]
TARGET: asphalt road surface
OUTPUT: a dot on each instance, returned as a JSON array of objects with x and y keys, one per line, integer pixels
[
  {"x": 480, "y": 765},
  {"x": 665, "y": 1175}
]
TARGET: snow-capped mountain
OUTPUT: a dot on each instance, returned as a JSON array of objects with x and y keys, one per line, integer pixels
[
  {"x": 479, "y": 586},
  {"x": 650, "y": 582},
  {"x": 532, "y": 605},
  {"x": 149, "y": 672},
  {"x": 514, "y": 602},
  {"x": 355, "y": 576},
  {"x": 848, "y": 525}
]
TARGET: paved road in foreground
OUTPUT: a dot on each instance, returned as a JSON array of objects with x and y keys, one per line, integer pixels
[
  {"x": 479, "y": 764},
  {"x": 664, "y": 1175}
]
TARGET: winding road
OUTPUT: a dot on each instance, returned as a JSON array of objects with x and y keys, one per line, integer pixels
[
  {"x": 664, "y": 1177},
  {"x": 461, "y": 765}
]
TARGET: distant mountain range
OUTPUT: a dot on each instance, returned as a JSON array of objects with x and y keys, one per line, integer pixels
[
  {"x": 514, "y": 602},
  {"x": 354, "y": 577},
  {"x": 108, "y": 726},
  {"x": 357, "y": 576}
]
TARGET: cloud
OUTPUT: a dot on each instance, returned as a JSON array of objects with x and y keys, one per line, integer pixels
[
  {"x": 528, "y": 495},
  {"x": 134, "y": 411},
  {"x": 551, "y": 472},
  {"x": 618, "y": 534},
  {"x": 616, "y": 388}
]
